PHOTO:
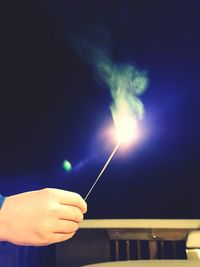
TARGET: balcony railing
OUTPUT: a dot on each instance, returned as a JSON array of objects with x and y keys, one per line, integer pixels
[{"x": 127, "y": 239}]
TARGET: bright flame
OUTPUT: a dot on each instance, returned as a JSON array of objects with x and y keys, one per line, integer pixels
[
  {"x": 126, "y": 130},
  {"x": 124, "y": 120}
]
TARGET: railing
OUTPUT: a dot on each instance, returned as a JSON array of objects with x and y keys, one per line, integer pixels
[{"x": 145, "y": 239}]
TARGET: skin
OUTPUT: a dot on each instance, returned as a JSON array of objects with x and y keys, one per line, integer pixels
[{"x": 41, "y": 217}]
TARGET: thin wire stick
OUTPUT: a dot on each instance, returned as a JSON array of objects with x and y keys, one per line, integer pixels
[{"x": 103, "y": 169}]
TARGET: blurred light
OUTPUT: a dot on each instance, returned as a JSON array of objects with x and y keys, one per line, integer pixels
[
  {"x": 67, "y": 166},
  {"x": 126, "y": 131}
]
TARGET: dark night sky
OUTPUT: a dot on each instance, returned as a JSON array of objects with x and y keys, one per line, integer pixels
[{"x": 51, "y": 107}]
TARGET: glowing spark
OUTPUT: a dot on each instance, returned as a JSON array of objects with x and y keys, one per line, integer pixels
[
  {"x": 126, "y": 130},
  {"x": 103, "y": 169}
]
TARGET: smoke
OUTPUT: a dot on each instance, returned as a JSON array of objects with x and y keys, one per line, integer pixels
[{"x": 126, "y": 83}]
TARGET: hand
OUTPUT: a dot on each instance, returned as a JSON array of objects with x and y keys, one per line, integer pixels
[{"x": 41, "y": 217}]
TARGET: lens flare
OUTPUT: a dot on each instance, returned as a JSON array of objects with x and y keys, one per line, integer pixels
[{"x": 67, "y": 166}]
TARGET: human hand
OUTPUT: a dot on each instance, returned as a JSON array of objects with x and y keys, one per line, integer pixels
[{"x": 41, "y": 217}]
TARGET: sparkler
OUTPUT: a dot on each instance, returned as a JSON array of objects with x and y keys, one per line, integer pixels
[
  {"x": 103, "y": 169},
  {"x": 125, "y": 82},
  {"x": 126, "y": 130}
]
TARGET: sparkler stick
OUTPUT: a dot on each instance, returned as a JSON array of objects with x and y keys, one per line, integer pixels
[{"x": 103, "y": 169}]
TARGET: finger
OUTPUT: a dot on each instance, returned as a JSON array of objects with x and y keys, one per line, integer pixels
[
  {"x": 72, "y": 199},
  {"x": 65, "y": 227},
  {"x": 70, "y": 213}
]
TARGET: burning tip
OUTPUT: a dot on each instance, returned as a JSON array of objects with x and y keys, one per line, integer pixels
[{"x": 127, "y": 130}]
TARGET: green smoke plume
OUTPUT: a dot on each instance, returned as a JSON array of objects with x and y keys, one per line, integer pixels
[{"x": 125, "y": 82}]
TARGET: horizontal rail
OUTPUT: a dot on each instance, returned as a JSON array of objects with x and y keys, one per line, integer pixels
[{"x": 189, "y": 224}]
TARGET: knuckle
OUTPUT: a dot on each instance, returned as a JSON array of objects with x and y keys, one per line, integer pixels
[
  {"x": 80, "y": 202},
  {"x": 49, "y": 191},
  {"x": 85, "y": 207},
  {"x": 45, "y": 229},
  {"x": 73, "y": 227},
  {"x": 78, "y": 198},
  {"x": 79, "y": 217},
  {"x": 46, "y": 190},
  {"x": 46, "y": 235},
  {"x": 52, "y": 209}
]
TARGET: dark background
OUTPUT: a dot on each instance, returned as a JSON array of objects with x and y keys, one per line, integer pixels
[{"x": 51, "y": 107}]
